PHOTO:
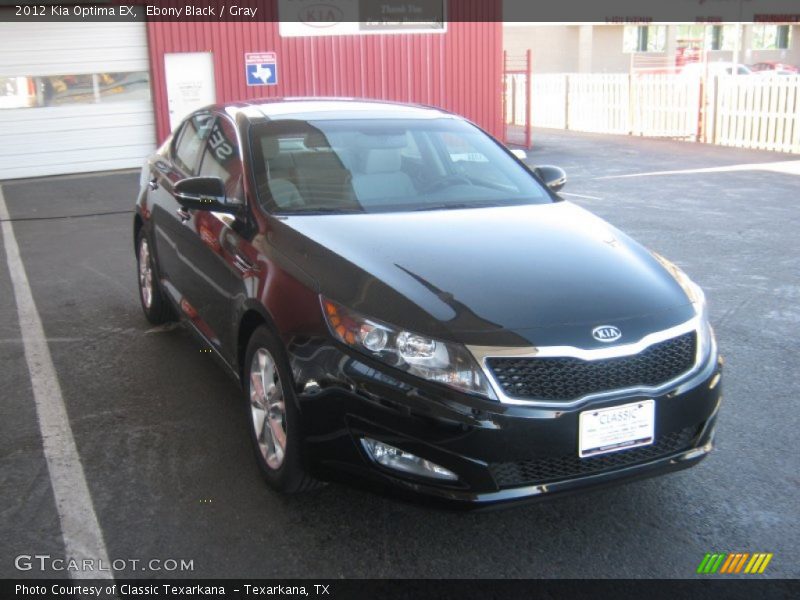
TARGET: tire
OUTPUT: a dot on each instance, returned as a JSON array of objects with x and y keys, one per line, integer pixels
[
  {"x": 155, "y": 306},
  {"x": 272, "y": 415}
]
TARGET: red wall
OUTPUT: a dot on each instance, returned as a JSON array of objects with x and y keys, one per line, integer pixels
[{"x": 460, "y": 70}]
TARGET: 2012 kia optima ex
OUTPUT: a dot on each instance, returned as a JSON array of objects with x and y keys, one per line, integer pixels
[{"x": 406, "y": 303}]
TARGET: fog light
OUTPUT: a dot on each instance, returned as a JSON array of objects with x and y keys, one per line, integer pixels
[
  {"x": 705, "y": 449},
  {"x": 400, "y": 460}
]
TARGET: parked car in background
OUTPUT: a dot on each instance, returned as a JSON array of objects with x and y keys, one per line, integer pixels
[
  {"x": 405, "y": 302},
  {"x": 701, "y": 69},
  {"x": 774, "y": 67}
]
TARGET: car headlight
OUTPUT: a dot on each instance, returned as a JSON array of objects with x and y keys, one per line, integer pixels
[
  {"x": 420, "y": 355},
  {"x": 705, "y": 334},
  {"x": 695, "y": 294}
]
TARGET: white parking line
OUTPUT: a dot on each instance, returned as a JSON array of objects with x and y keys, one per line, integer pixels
[
  {"x": 48, "y": 340},
  {"x": 80, "y": 530},
  {"x": 579, "y": 196},
  {"x": 790, "y": 167}
]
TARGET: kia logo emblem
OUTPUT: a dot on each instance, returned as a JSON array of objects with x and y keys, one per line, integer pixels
[
  {"x": 321, "y": 15},
  {"x": 606, "y": 333}
]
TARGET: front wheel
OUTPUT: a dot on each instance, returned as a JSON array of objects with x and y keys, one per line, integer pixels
[
  {"x": 273, "y": 416},
  {"x": 155, "y": 306}
]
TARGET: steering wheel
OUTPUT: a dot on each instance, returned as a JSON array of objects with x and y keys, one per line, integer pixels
[{"x": 442, "y": 182}]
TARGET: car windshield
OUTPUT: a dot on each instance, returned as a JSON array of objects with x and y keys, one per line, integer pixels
[{"x": 383, "y": 165}]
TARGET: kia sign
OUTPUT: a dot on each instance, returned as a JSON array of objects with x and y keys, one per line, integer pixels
[{"x": 302, "y": 18}]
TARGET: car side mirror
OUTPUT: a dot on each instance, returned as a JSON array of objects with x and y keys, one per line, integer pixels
[
  {"x": 519, "y": 153},
  {"x": 203, "y": 193},
  {"x": 554, "y": 177}
]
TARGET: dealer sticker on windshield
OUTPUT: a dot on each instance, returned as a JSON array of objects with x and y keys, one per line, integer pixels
[{"x": 616, "y": 428}]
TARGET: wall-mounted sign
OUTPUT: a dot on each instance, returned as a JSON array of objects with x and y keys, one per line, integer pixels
[
  {"x": 190, "y": 83},
  {"x": 261, "y": 68},
  {"x": 301, "y": 18}
]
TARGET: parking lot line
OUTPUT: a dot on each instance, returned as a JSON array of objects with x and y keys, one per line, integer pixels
[
  {"x": 580, "y": 196},
  {"x": 791, "y": 167},
  {"x": 80, "y": 529}
]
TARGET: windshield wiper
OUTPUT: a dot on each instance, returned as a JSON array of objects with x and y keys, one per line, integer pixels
[
  {"x": 457, "y": 205},
  {"x": 323, "y": 210}
]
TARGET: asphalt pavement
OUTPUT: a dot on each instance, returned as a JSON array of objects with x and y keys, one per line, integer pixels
[{"x": 162, "y": 436}]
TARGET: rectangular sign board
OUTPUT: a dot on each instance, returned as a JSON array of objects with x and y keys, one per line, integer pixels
[
  {"x": 308, "y": 18},
  {"x": 261, "y": 68}
]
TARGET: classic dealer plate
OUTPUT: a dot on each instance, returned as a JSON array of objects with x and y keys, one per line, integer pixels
[{"x": 616, "y": 428}]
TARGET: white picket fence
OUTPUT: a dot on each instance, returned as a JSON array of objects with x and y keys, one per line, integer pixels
[
  {"x": 651, "y": 105},
  {"x": 515, "y": 92},
  {"x": 756, "y": 112},
  {"x": 665, "y": 106},
  {"x": 599, "y": 103},
  {"x": 548, "y": 101},
  {"x": 743, "y": 111}
]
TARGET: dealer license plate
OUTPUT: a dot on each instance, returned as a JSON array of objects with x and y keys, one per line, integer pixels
[{"x": 616, "y": 428}]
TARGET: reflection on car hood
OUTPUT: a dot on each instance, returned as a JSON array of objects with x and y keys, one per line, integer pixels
[{"x": 466, "y": 273}]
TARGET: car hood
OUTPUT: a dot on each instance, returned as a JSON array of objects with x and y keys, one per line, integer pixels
[{"x": 533, "y": 274}]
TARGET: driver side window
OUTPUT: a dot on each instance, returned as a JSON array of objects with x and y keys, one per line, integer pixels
[
  {"x": 221, "y": 159},
  {"x": 190, "y": 142}
]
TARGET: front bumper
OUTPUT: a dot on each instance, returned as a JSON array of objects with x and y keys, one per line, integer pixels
[{"x": 500, "y": 452}]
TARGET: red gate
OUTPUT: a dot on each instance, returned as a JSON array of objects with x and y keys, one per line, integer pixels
[{"x": 517, "y": 99}]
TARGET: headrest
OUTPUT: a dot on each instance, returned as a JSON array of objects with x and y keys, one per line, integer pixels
[
  {"x": 316, "y": 139},
  {"x": 270, "y": 147},
  {"x": 381, "y": 140},
  {"x": 382, "y": 160}
]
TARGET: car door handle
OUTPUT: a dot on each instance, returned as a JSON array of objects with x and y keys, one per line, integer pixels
[
  {"x": 153, "y": 183},
  {"x": 184, "y": 214},
  {"x": 244, "y": 265}
]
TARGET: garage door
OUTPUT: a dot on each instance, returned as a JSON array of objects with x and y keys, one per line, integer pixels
[{"x": 74, "y": 98}]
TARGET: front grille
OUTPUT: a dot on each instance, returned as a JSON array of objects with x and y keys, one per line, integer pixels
[
  {"x": 565, "y": 378},
  {"x": 554, "y": 468}
]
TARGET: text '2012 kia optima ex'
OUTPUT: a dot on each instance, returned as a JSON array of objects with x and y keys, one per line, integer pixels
[{"x": 407, "y": 303}]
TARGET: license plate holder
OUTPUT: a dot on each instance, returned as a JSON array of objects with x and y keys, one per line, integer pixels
[{"x": 615, "y": 428}]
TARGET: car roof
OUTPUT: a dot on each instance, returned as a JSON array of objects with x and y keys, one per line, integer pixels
[{"x": 330, "y": 108}]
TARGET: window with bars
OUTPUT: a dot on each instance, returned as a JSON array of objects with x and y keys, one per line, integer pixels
[
  {"x": 644, "y": 38},
  {"x": 771, "y": 37},
  {"x": 80, "y": 88}
]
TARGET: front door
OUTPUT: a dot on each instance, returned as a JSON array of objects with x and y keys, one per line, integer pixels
[
  {"x": 175, "y": 229},
  {"x": 224, "y": 264}
]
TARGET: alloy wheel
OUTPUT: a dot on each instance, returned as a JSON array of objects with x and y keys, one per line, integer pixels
[
  {"x": 145, "y": 274},
  {"x": 268, "y": 408}
]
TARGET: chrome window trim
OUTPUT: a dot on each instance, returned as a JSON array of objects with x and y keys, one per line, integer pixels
[{"x": 481, "y": 353}]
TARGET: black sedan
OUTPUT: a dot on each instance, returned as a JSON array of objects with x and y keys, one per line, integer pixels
[{"x": 407, "y": 304}]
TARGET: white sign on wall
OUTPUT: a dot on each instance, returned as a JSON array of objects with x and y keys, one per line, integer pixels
[
  {"x": 190, "y": 83},
  {"x": 304, "y": 18}
]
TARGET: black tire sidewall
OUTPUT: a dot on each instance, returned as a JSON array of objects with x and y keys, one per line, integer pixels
[{"x": 290, "y": 475}]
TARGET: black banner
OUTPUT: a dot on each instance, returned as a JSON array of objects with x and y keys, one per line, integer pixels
[
  {"x": 408, "y": 13},
  {"x": 389, "y": 589}
]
